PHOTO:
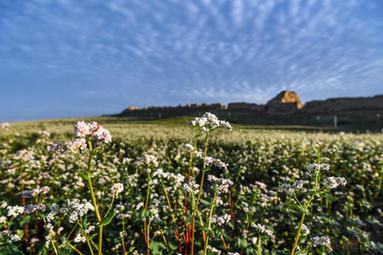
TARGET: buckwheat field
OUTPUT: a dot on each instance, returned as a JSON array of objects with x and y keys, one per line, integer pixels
[{"x": 202, "y": 188}]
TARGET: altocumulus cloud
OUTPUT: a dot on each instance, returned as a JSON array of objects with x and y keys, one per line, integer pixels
[{"x": 95, "y": 56}]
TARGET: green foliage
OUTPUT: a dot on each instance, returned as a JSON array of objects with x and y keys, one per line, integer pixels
[{"x": 350, "y": 216}]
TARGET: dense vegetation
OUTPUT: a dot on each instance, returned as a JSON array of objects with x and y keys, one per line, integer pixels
[{"x": 146, "y": 190}]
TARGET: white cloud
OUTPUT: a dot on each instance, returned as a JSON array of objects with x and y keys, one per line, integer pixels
[{"x": 198, "y": 50}]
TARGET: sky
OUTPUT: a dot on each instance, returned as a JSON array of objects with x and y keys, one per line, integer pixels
[{"x": 69, "y": 58}]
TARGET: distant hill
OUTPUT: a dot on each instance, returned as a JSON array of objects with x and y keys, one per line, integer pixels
[{"x": 285, "y": 108}]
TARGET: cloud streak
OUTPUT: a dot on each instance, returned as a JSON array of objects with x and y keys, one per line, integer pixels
[{"x": 190, "y": 51}]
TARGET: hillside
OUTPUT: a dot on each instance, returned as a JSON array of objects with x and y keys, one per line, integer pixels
[{"x": 362, "y": 113}]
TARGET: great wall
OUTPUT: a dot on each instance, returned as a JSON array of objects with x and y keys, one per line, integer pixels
[{"x": 284, "y": 109}]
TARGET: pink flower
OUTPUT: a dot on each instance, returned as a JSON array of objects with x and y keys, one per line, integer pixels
[
  {"x": 82, "y": 129},
  {"x": 92, "y": 130}
]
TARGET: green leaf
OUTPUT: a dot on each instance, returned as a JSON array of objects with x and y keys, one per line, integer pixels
[
  {"x": 84, "y": 176},
  {"x": 108, "y": 218},
  {"x": 157, "y": 247},
  {"x": 242, "y": 243}
]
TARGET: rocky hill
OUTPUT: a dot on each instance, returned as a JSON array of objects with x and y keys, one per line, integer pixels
[
  {"x": 284, "y": 108},
  {"x": 285, "y": 102}
]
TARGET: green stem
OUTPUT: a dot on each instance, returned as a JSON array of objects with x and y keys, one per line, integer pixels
[
  {"x": 192, "y": 154},
  {"x": 259, "y": 246},
  {"x": 167, "y": 200},
  {"x": 147, "y": 194},
  {"x": 89, "y": 246},
  {"x": 94, "y": 200},
  {"x": 110, "y": 207},
  {"x": 146, "y": 227},
  {"x": 206, "y": 143},
  {"x": 209, "y": 222},
  {"x": 86, "y": 236},
  {"x": 195, "y": 207},
  {"x": 53, "y": 242},
  {"x": 297, "y": 236},
  {"x": 380, "y": 182},
  {"x": 100, "y": 239},
  {"x": 123, "y": 237},
  {"x": 54, "y": 247},
  {"x": 74, "y": 248}
]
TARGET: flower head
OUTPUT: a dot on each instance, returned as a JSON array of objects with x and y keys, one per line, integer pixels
[
  {"x": 208, "y": 122},
  {"x": 333, "y": 182},
  {"x": 117, "y": 188},
  {"x": 317, "y": 167},
  {"x": 92, "y": 130},
  {"x": 321, "y": 241},
  {"x": 4, "y": 125}
]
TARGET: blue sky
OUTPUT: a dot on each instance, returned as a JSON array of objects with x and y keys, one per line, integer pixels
[{"x": 80, "y": 58}]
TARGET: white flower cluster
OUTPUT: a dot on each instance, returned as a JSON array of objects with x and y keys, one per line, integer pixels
[
  {"x": 221, "y": 220},
  {"x": 149, "y": 160},
  {"x": 254, "y": 240},
  {"x": 262, "y": 229},
  {"x": 117, "y": 188},
  {"x": 321, "y": 241},
  {"x": 213, "y": 250},
  {"x": 31, "y": 208},
  {"x": 14, "y": 211},
  {"x": 80, "y": 238},
  {"x": 176, "y": 179},
  {"x": 222, "y": 185},
  {"x": 12, "y": 237},
  {"x": 77, "y": 144},
  {"x": 44, "y": 134},
  {"x": 76, "y": 208},
  {"x": 215, "y": 162},
  {"x": 333, "y": 182},
  {"x": 188, "y": 147},
  {"x": 317, "y": 167},
  {"x": 24, "y": 155},
  {"x": 289, "y": 188},
  {"x": 261, "y": 185},
  {"x": 93, "y": 130},
  {"x": 191, "y": 186},
  {"x": 4, "y": 125},
  {"x": 3, "y": 219},
  {"x": 90, "y": 229},
  {"x": 208, "y": 122},
  {"x": 58, "y": 147},
  {"x": 54, "y": 210},
  {"x": 35, "y": 192}
]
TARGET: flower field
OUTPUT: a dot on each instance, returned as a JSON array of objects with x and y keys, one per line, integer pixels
[{"x": 203, "y": 188}]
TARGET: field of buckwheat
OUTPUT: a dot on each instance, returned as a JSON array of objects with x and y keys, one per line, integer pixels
[{"x": 212, "y": 191}]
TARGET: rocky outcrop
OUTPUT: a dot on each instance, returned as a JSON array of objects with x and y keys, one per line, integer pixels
[{"x": 285, "y": 102}]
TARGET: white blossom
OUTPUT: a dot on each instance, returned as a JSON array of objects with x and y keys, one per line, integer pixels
[
  {"x": 14, "y": 211},
  {"x": 333, "y": 182},
  {"x": 317, "y": 167},
  {"x": 117, "y": 188},
  {"x": 321, "y": 241},
  {"x": 208, "y": 122},
  {"x": 4, "y": 125},
  {"x": 92, "y": 130},
  {"x": 263, "y": 229},
  {"x": 3, "y": 219},
  {"x": 80, "y": 238}
]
